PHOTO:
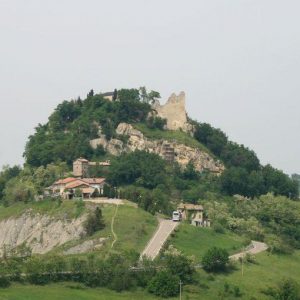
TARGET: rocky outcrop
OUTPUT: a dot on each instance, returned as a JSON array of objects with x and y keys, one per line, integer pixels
[
  {"x": 40, "y": 233},
  {"x": 169, "y": 150}
]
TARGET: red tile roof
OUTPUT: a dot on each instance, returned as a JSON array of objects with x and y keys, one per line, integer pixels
[
  {"x": 65, "y": 181},
  {"x": 76, "y": 184}
]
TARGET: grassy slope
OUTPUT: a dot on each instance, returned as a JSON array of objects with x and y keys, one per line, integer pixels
[
  {"x": 268, "y": 271},
  {"x": 133, "y": 226},
  {"x": 170, "y": 135},
  {"x": 67, "y": 209},
  {"x": 194, "y": 241}
]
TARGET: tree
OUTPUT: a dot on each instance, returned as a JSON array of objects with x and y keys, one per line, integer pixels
[
  {"x": 215, "y": 259},
  {"x": 279, "y": 183},
  {"x": 164, "y": 284},
  {"x": 94, "y": 222},
  {"x": 148, "y": 97},
  {"x": 180, "y": 266},
  {"x": 6, "y": 174},
  {"x": 189, "y": 172},
  {"x": 143, "y": 168},
  {"x": 90, "y": 93},
  {"x": 234, "y": 181}
]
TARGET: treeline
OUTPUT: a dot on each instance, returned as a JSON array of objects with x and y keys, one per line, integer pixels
[
  {"x": 118, "y": 272},
  {"x": 244, "y": 174}
]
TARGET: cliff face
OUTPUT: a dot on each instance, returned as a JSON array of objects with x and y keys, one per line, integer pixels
[
  {"x": 41, "y": 233},
  {"x": 168, "y": 150}
]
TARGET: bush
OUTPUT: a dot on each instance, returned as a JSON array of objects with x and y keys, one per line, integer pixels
[
  {"x": 4, "y": 281},
  {"x": 218, "y": 228},
  {"x": 288, "y": 289},
  {"x": 215, "y": 259},
  {"x": 164, "y": 284}
]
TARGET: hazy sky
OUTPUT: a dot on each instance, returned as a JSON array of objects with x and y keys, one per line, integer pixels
[{"x": 237, "y": 60}]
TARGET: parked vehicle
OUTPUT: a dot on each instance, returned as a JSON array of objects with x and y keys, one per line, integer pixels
[{"x": 176, "y": 216}]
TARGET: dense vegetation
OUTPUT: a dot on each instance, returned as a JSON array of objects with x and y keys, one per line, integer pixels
[
  {"x": 118, "y": 272},
  {"x": 244, "y": 174},
  {"x": 66, "y": 136}
]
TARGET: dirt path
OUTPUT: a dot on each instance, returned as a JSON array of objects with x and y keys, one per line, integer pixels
[
  {"x": 112, "y": 227},
  {"x": 254, "y": 248},
  {"x": 165, "y": 228}
]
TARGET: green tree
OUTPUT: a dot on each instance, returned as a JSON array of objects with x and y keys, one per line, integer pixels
[
  {"x": 146, "y": 169},
  {"x": 215, "y": 259},
  {"x": 94, "y": 222},
  {"x": 164, "y": 284},
  {"x": 180, "y": 266}
]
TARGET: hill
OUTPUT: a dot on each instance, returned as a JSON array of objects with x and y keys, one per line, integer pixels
[{"x": 156, "y": 161}]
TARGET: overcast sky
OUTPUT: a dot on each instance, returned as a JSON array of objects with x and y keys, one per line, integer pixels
[{"x": 237, "y": 60}]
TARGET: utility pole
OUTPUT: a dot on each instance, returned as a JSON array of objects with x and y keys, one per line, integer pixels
[
  {"x": 243, "y": 254},
  {"x": 180, "y": 290}
]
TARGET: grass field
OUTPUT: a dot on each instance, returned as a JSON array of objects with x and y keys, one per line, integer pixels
[
  {"x": 67, "y": 291},
  {"x": 195, "y": 241}
]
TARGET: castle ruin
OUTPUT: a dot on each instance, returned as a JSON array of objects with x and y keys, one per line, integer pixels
[{"x": 173, "y": 111}]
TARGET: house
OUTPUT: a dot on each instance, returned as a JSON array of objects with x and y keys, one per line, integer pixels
[
  {"x": 66, "y": 188},
  {"x": 111, "y": 96},
  {"x": 193, "y": 213}
]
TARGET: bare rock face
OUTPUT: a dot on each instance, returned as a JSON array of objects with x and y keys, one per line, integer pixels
[
  {"x": 174, "y": 111},
  {"x": 41, "y": 233},
  {"x": 177, "y": 152}
]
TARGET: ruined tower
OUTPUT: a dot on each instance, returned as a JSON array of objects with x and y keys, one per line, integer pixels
[{"x": 173, "y": 111}]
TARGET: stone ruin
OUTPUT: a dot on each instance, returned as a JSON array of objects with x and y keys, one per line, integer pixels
[{"x": 174, "y": 112}]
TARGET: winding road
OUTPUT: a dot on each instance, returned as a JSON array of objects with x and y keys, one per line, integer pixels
[{"x": 165, "y": 228}]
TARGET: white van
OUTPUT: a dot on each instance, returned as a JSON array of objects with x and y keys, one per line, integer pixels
[{"x": 176, "y": 216}]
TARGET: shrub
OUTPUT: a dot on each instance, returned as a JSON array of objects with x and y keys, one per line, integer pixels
[
  {"x": 215, "y": 259},
  {"x": 164, "y": 284},
  {"x": 218, "y": 228},
  {"x": 4, "y": 281},
  {"x": 288, "y": 289}
]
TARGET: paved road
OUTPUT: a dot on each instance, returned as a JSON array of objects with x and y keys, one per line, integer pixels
[
  {"x": 255, "y": 247},
  {"x": 165, "y": 228}
]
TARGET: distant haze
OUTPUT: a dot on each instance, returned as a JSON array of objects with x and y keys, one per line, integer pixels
[{"x": 237, "y": 61}]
